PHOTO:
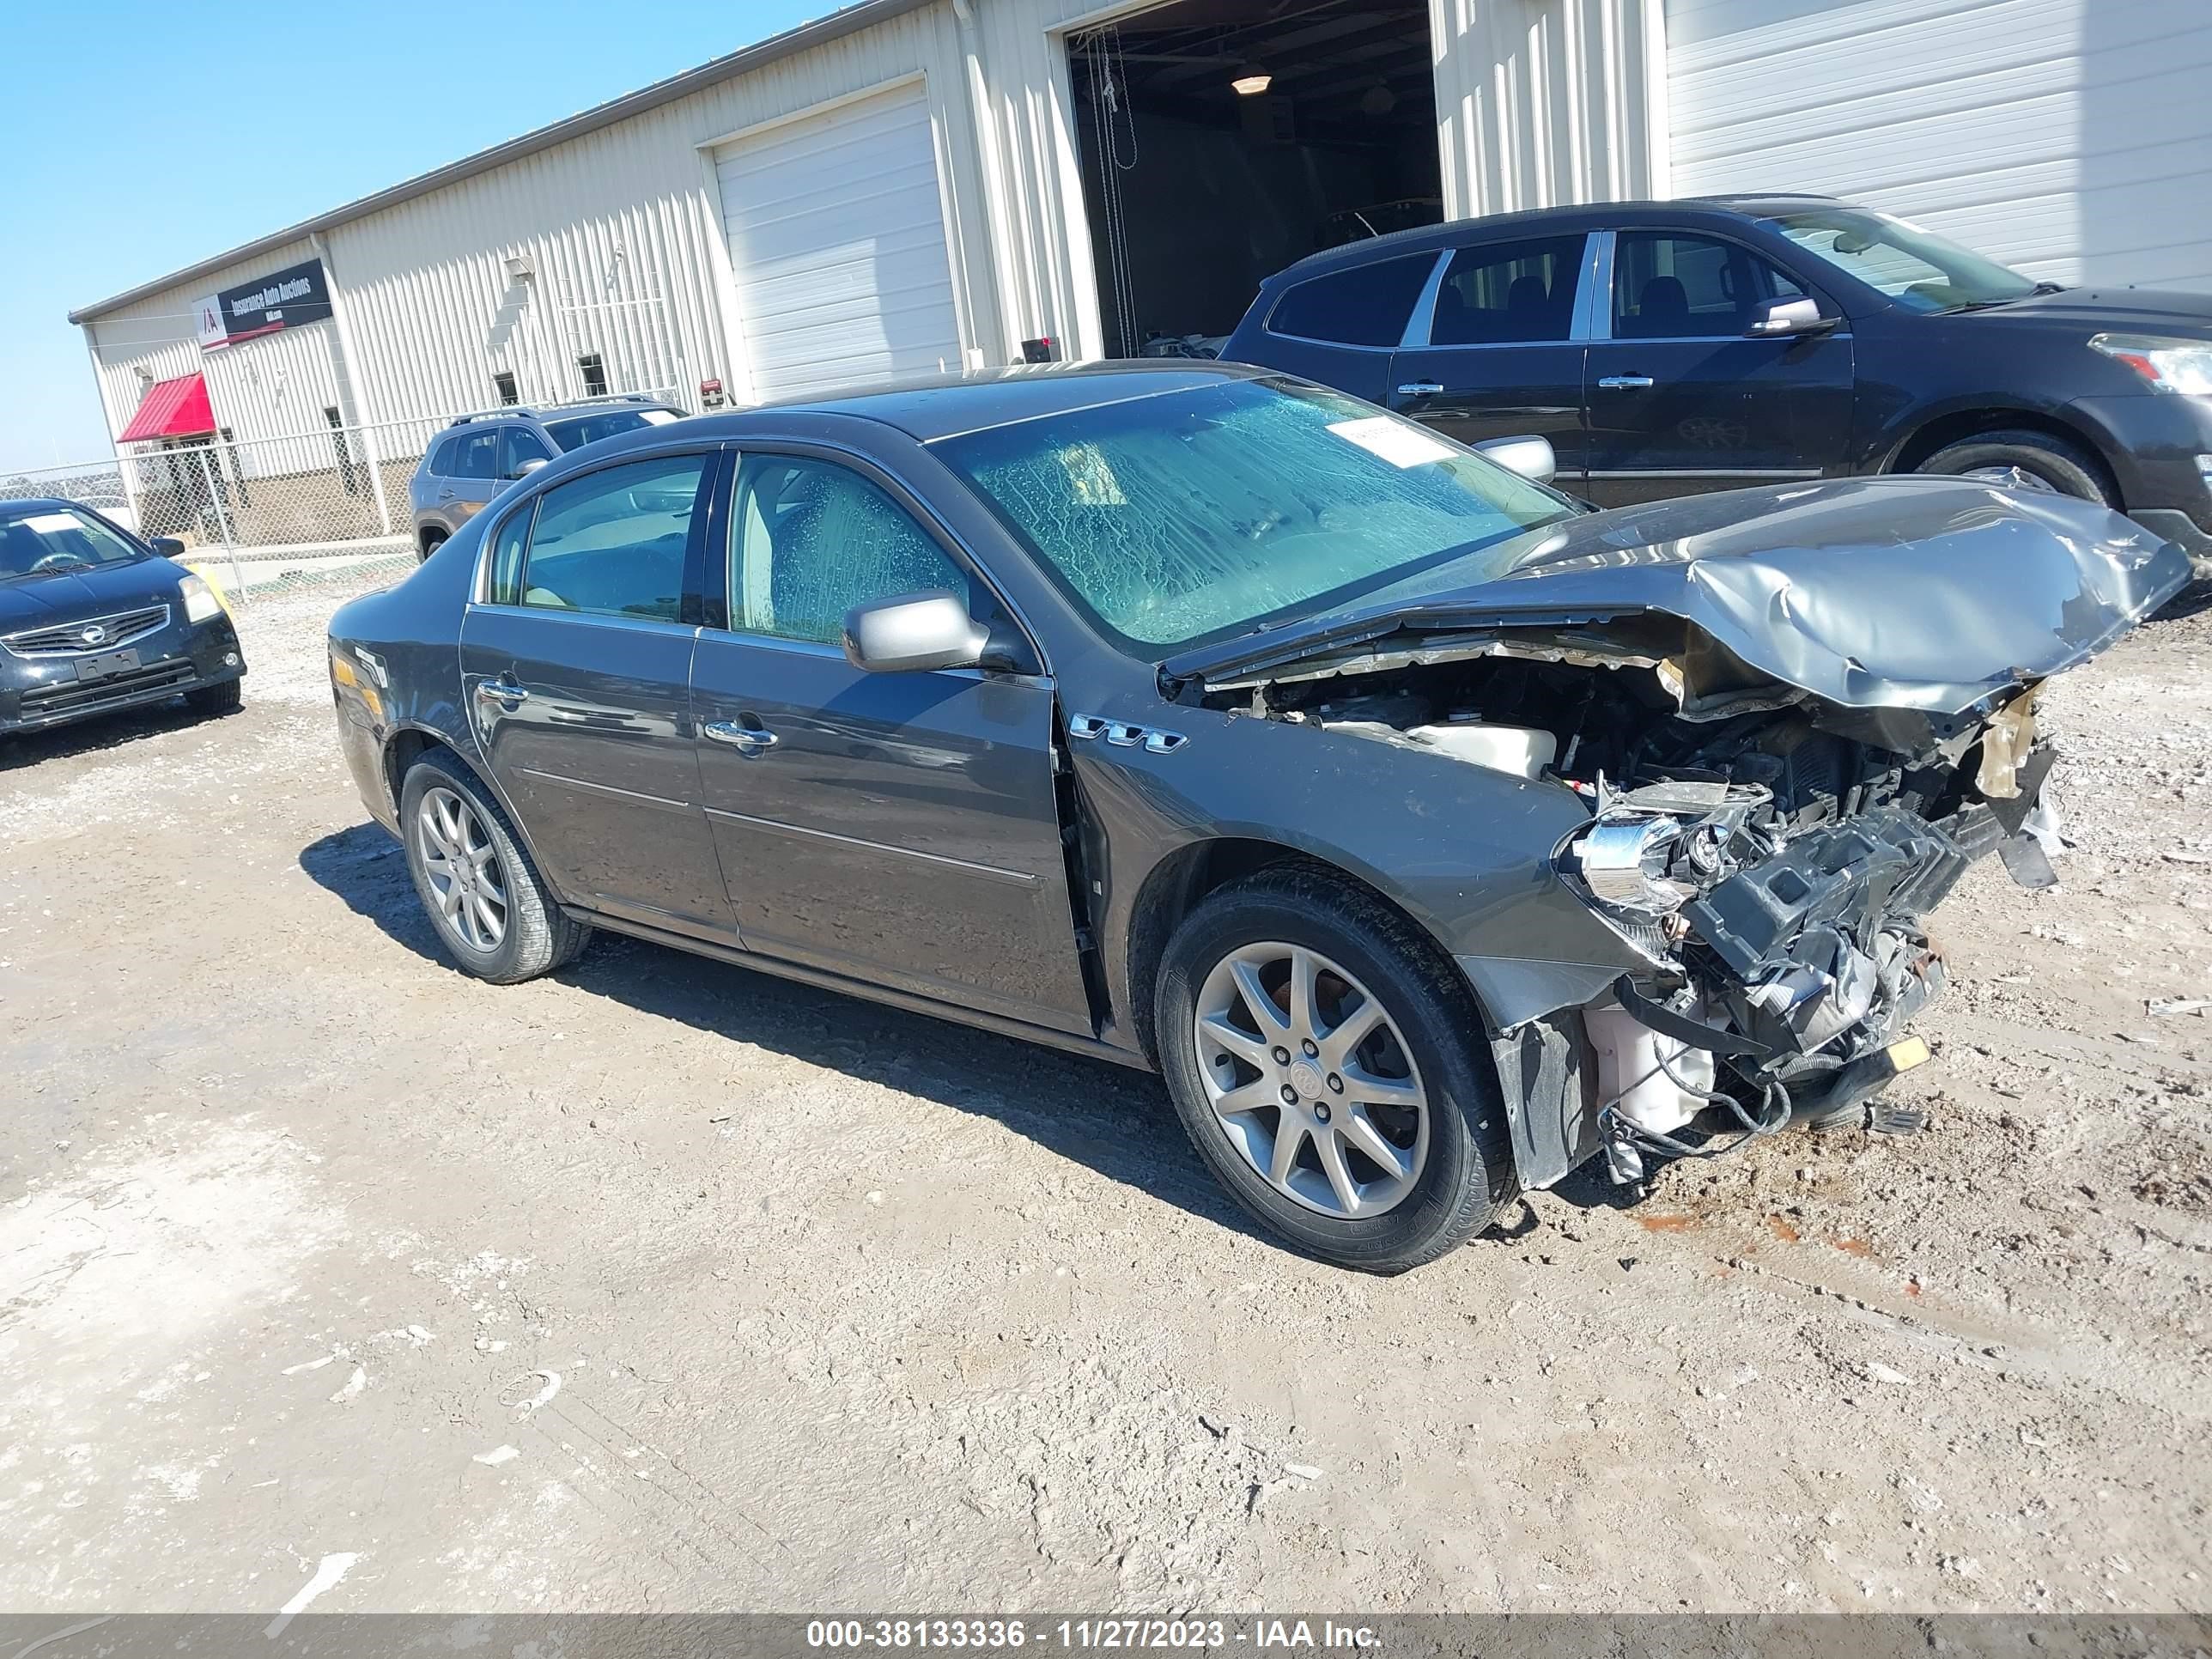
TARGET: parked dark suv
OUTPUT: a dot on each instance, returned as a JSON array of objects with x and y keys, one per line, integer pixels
[
  {"x": 1670, "y": 347},
  {"x": 481, "y": 454}
]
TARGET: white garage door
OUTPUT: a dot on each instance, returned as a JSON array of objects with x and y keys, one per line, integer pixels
[
  {"x": 837, "y": 244},
  {"x": 2067, "y": 138}
]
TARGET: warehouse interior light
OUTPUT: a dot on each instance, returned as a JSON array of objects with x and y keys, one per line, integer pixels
[{"x": 1250, "y": 80}]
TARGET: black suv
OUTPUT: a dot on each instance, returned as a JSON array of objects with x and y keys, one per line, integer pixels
[
  {"x": 1670, "y": 347},
  {"x": 479, "y": 455}
]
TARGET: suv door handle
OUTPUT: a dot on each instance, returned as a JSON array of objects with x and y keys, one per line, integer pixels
[
  {"x": 1420, "y": 389},
  {"x": 745, "y": 739},
  {"x": 445, "y": 493},
  {"x": 1623, "y": 383},
  {"x": 503, "y": 691}
]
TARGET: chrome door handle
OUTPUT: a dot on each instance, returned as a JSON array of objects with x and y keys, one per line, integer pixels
[
  {"x": 506, "y": 694},
  {"x": 1419, "y": 389},
  {"x": 445, "y": 494},
  {"x": 1623, "y": 383},
  {"x": 745, "y": 739}
]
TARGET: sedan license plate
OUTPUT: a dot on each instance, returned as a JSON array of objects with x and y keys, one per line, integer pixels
[{"x": 108, "y": 662}]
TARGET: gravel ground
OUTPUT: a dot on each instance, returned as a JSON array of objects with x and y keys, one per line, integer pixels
[{"x": 662, "y": 1285}]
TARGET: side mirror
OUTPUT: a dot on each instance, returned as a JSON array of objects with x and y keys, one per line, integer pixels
[
  {"x": 1531, "y": 456},
  {"x": 526, "y": 469},
  {"x": 1798, "y": 316},
  {"x": 913, "y": 634},
  {"x": 168, "y": 547}
]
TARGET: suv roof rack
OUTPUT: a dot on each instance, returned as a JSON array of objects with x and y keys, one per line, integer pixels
[{"x": 531, "y": 412}]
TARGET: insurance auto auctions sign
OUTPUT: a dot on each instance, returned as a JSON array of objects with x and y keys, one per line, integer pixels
[{"x": 299, "y": 294}]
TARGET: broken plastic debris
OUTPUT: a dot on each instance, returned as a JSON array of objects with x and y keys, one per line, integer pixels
[
  {"x": 2178, "y": 1005},
  {"x": 496, "y": 1455},
  {"x": 334, "y": 1568},
  {"x": 309, "y": 1365},
  {"x": 353, "y": 1385},
  {"x": 543, "y": 1396},
  {"x": 1302, "y": 1471},
  {"x": 1898, "y": 1118}
]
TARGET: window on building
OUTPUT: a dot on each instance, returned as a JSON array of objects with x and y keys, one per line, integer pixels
[
  {"x": 504, "y": 383},
  {"x": 611, "y": 543},
  {"x": 1365, "y": 306},
  {"x": 595, "y": 375},
  {"x": 810, "y": 540},
  {"x": 1509, "y": 292},
  {"x": 1688, "y": 287}
]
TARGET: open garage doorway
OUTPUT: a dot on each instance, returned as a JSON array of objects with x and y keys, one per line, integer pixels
[{"x": 1223, "y": 139}]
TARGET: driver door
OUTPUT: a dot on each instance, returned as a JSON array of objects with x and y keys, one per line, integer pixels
[{"x": 899, "y": 828}]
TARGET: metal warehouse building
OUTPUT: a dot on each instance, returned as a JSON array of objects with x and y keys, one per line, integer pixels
[{"x": 911, "y": 184}]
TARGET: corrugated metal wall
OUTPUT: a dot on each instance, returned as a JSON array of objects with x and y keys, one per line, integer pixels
[
  {"x": 1544, "y": 102},
  {"x": 2063, "y": 137},
  {"x": 620, "y": 233},
  {"x": 279, "y": 383}
]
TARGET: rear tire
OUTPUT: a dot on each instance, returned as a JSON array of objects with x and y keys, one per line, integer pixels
[
  {"x": 2026, "y": 460},
  {"x": 491, "y": 908},
  {"x": 214, "y": 701},
  {"x": 1452, "y": 1168},
  {"x": 431, "y": 543}
]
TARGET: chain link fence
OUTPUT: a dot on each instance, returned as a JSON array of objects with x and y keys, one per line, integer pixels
[{"x": 257, "y": 513}]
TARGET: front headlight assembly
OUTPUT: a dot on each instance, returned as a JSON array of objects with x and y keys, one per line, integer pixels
[
  {"x": 1649, "y": 852},
  {"x": 2170, "y": 365},
  {"x": 201, "y": 603}
]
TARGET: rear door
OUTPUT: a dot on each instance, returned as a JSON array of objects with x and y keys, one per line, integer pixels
[
  {"x": 1340, "y": 329},
  {"x": 473, "y": 478},
  {"x": 903, "y": 829},
  {"x": 1681, "y": 400},
  {"x": 1499, "y": 353},
  {"x": 576, "y": 666}
]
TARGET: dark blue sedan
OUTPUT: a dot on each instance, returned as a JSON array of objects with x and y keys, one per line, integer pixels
[{"x": 93, "y": 619}]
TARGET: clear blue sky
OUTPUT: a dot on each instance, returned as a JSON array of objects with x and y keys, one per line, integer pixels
[{"x": 141, "y": 137}]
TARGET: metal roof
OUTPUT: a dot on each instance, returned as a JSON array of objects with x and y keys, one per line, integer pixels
[{"x": 848, "y": 21}]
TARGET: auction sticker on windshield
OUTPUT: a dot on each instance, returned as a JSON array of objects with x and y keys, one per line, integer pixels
[{"x": 1396, "y": 441}]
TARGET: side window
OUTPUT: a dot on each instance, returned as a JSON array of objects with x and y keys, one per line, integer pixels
[
  {"x": 518, "y": 444},
  {"x": 1509, "y": 291},
  {"x": 809, "y": 540},
  {"x": 477, "y": 455},
  {"x": 1367, "y": 305},
  {"x": 507, "y": 548},
  {"x": 1665, "y": 286},
  {"x": 611, "y": 543},
  {"x": 442, "y": 458}
]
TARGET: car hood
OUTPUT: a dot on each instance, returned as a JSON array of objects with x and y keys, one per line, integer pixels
[
  {"x": 43, "y": 601},
  {"x": 2144, "y": 311},
  {"x": 1921, "y": 593}
]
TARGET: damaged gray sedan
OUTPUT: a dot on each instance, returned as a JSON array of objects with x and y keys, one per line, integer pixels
[{"x": 1429, "y": 832}]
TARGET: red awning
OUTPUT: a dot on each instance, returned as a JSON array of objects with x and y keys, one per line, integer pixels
[{"x": 172, "y": 409}]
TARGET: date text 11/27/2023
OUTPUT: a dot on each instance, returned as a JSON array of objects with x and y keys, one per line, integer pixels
[{"x": 1136, "y": 1634}]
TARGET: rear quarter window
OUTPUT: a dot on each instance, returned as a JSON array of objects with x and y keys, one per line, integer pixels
[{"x": 1366, "y": 306}]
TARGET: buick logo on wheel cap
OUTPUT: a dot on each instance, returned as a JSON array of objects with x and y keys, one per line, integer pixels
[{"x": 95, "y": 635}]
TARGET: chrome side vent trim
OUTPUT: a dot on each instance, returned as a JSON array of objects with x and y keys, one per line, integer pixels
[{"x": 1123, "y": 735}]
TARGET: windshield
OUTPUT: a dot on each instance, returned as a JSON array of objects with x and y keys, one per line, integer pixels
[
  {"x": 1192, "y": 515},
  {"x": 49, "y": 541},
  {"x": 581, "y": 429},
  {"x": 1913, "y": 266}
]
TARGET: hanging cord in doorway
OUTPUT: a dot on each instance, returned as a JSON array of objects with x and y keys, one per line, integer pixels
[{"x": 1113, "y": 127}]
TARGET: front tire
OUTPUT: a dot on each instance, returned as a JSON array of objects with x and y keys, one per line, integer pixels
[
  {"x": 1327, "y": 1064},
  {"x": 2032, "y": 461},
  {"x": 492, "y": 911}
]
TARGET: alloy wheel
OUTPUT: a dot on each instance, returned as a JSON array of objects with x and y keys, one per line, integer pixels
[
  {"x": 1311, "y": 1080},
  {"x": 466, "y": 878}
]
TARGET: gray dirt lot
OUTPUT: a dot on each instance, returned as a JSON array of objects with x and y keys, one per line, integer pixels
[{"x": 786, "y": 1301}]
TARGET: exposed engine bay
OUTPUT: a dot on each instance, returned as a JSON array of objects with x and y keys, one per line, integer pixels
[{"x": 1769, "y": 855}]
